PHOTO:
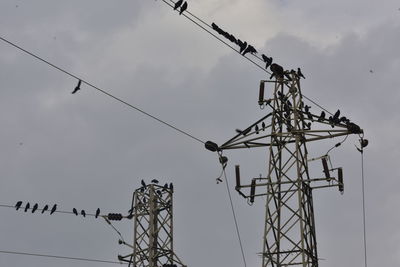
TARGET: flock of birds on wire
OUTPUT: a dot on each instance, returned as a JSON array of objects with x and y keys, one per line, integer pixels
[{"x": 35, "y": 208}]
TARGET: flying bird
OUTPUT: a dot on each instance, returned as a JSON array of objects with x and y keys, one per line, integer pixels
[
  {"x": 97, "y": 213},
  {"x": 35, "y": 207},
  {"x": 178, "y": 4},
  {"x": 75, "y": 211},
  {"x": 154, "y": 181},
  {"x": 27, "y": 207},
  {"x": 45, "y": 208},
  {"x": 53, "y": 209},
  {"x": 183, "y": 8},
  {"x": 18, "y": 205},
  {"x": 300, "y": 74},
  {"x": 83, "y": 213},
  {"x": 77, "y": 88}
]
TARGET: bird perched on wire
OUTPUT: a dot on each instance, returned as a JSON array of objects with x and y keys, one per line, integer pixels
[
  {"x": 45, "y": 208},
  {"x": 75, "y": 211},
  {"x": 321, "y": 117},
  {"x": 183, "y": 8},
  {"x": 277, "y": 71},
  {"x": 35, "y": 207},
  {"x": 77, "y": 88},
  {"x": 83, "y": 213},
  {"x": 178, "y": 4},
  {"x": 97, "y": 213},
  {"x": 27, "y": 207},
  {"x": 300, "y": 74},
  {"x": 242, "y": 45},
  {"x": 249, "y": 49},
  {"x": 18, "y": 205},
  {"x": 267, "y": 60},
  {"x": 53, "y": 209}
]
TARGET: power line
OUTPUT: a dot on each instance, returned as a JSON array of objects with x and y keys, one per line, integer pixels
[
  {"x": 231, "y": 47},
  {"x": 99, "y": 89},
  {"x": 59, "y": 257},
  {"x": 57, "y": 211},
  {"x": 234, "y": 217},
  {"x": 363, "y": 205}
]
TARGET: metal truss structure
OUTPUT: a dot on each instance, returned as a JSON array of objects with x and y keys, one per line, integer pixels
[
  {"x": 289, "y": 234},
  {"x": 152, "y": 212}
]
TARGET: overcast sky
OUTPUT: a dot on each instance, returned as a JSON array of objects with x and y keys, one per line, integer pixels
[{"x": 88, "y": 151}]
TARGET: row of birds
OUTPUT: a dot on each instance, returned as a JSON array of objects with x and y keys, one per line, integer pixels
[
  {"x": 155, "y": 181},
  {"x": 244, "y": 48},
  {"x": 35, "y": 207}
]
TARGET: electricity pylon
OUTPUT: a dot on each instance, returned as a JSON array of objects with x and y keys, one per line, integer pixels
[
  {"x": 289, "y": 233},
  {"x": 152, "y": 213}
]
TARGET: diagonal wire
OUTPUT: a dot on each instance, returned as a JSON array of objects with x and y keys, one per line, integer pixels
[
  {"x": 59, "y": 257},
  {"x": 363, "y": 205},
  {"x": 99, "y": 89},
  {"x": 234, "y": 218}
]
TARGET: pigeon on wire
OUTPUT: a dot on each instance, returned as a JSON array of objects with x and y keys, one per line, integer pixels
[
  {"x": 249, "y": 49},
  {"x": 83, "y": 213},
  {"x": 75, "y": 211},
  {"x": 77, "y": 88},
  {"x": 97, "y": 213},
  {"x": 267, "y": 60},
  {"x": 35, "y": 207},
  {"x": 321, "y": 117},
  {"x": 300, "y": 74},
  {"x": 45, "y": 208},
  {"x": 183, "y": 8},
  {"x": 53, "y": 209},
  {"x": 27, "y": 207},
  {"x": 178, "y": 4},
  {"x": 18, "y": 205}
]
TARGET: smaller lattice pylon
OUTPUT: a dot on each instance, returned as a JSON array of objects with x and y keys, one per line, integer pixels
[{"x": 152, "y": 214}]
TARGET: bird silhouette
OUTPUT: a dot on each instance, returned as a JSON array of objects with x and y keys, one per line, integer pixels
[
  {"x": 77, "y": 88},
  {"x": 307, "y": 108},
  {"x": 35, "y": 207},
  {"x": 249, "y": 49},
  {"x": 335, "y": 117},
  {"x": 97, "y": 213},
  {"x": 53, "y": 209},
  {"x": 277, "y": 71},
  {"x": 268, "y": 61},
  {"x": 18, "y": 205},
  {"x": 143, "y": 183},
  {"x": 178, "y": 4},
  {"x": 75, "y": 211},
  {"x": 159, "y": 192},
  {"x": 257, "y": 129},
  {"x": 171, "y": 186},
  {"x": 83, "y": 213},
  {"x": 183, "y": 8},
  {"x": 154, "y": 181},
  {"x": 27, "y": 207},
  {"x": 243, "y": 47},
  {"x": 165, "y": 186},
  {"x": 45, "y": 208},
  {"x": 263, "y": 126},
  {"x": 321, "y": 117},
  {"x": 300, "y": 74}
]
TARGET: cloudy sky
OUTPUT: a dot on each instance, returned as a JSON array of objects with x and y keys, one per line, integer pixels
[{"x": 88, "y": 151}]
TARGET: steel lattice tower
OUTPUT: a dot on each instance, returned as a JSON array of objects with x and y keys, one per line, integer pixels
[
  {"x": 289, "y": 234},
  {"x": 152, "y": 212}
]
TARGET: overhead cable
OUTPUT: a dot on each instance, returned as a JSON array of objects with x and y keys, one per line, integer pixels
[
  {"x": 59, "y": 257},
  {"x": 99, "y": 89}
]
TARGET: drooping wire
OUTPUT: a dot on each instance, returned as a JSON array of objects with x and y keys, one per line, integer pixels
[
  {"x": 363, "y": 205},
  {"x": 57, "y": 211},
  {"x": 234, "y": 217},
  {"x": 99, "y": 89},
  {"x": 59, "y": 257},
  {"x": 115, "y": 229}
]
